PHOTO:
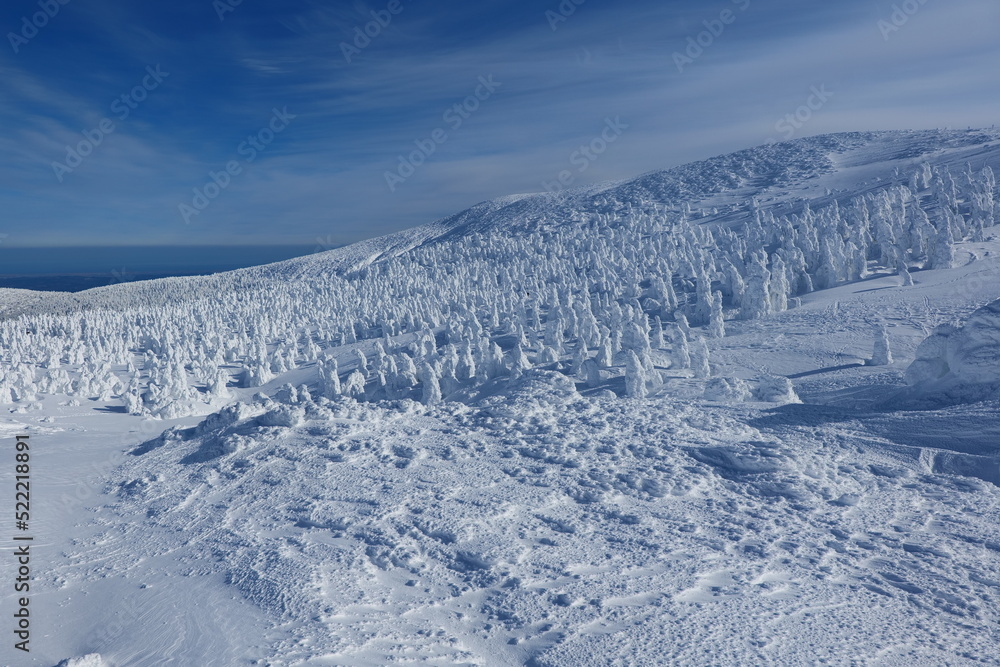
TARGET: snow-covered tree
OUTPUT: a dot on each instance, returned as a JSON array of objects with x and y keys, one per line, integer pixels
[
  {"x": 354, "y": 386},
  {"x": 680, "y": 354},
  {"x": 431, "y": 385},
  {"x": 882, "y": 355},
  {"x": 635, "y": 376},
  {"x": 717, "y": 323},
  {"x": 700, "y": 358},
  {"x": 329, "y": 374},
  {"x": 591, "y": 372}
]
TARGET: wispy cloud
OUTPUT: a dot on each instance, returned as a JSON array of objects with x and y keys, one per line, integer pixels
[{"x": 325, "y": 175}]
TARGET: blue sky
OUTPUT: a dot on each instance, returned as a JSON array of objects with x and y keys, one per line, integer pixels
[{"x": 322, "y": 176}]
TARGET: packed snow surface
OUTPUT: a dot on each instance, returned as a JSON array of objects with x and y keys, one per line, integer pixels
[{"x": 740, "y": 412}]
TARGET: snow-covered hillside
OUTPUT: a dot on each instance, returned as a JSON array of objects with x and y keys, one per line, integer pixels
[{"x": 660, "y": 421}]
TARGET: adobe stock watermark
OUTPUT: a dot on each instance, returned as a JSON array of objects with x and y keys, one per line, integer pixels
[
  {"x": 122, "y": 107},
  {"x": 31, "y": 25},
  {"x": 587, "y": 154},
  {"x": 791, "y": 123},
  {"x": 364, "y": 35},
  {"x": 562, "y": 13},
  {"x": 455, "y": 116},
  {"x": 121, "y": 275},
  {"x": 223, "y": 7},
  {"x": 249, "y": 150},
  {"x": 698, "y": 44},
  {"x": 901, "y": 15},
  {"x": 328, "y": 243}
]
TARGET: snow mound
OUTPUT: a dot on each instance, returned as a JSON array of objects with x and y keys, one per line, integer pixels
[
  {"x": 536, "y": 392},
  {"x": 90, "y": 660},
  {"x": 963, "y": 360},
  {"x": 767, "y": 389},
  {"x": 772, "y": 389},
  {"x": 726, "y": 390}
]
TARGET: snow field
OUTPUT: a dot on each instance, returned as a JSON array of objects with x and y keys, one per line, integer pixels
[{"x": 664, "y": 421}]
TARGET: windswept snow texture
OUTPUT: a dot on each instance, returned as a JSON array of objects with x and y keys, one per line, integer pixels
[
  {"x": 741, "y": 412},
  {"x": 538, "y": 526}
]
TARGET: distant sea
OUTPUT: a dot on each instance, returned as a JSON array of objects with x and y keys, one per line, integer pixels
[{"x": 78, "y": 269}]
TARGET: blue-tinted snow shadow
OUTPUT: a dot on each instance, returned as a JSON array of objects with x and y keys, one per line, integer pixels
[
  {"x": 876, "y": 289},
  {"x": 804, "y": 414},
  {"x": 821, "y": 371},
  {"x": 968, "y": 428},
  {"x": 115, "y": 409}
]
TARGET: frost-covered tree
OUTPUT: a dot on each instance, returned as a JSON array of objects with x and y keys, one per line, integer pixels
[
  {"x": 591, "y": 372},
  {"x": 827, "y": 275},
  {"x": 757, "y": 297},
  {"x": 882, "y": 355},
  {"x": 354, "y": 386},
  {"x": 329, "y": 374},
  {"x": 362, "y": 362},
  {"x": 942, "y": 250},
  {"x": 635, "y": 338},
  {"x": 776, "y": 389},
  {"x": 579, "y": 357},
  {"x": 780, "y": 285},
  {"x": 491, "y": 365},
  {"x": 656, "y": 335},
  {"x": 465, "y": 368},
  {"x": 700, "y": 358},
  {"x": 681, "y": 321},
  {"x": 218, "y": 386},
  {"x": 548, "y": 355},
  {"x": 605, "y": 356},
  {"x": 635, "y": 376},
  {"x": 519, "y": 362},
  {"x": 680, "y": 355},
  {"x": 904, "y": 275},
  {"x": 431, "y": 385},
  {"x": 717, "y": 322}
]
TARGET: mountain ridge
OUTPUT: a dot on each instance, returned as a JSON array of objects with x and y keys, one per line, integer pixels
[{"x": 779, "y": 177}]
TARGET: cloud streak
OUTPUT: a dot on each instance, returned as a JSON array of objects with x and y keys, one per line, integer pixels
[{"x": 324, "y": 177}]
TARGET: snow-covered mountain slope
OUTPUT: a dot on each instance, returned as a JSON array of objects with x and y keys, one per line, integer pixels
[
  {"x": 781, "y": 177},
  {"x": 14, "y": 301},
  {"x": 661, "y": 421}
]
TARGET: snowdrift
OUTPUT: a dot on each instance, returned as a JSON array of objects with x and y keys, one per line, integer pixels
[{"x": 961, "y": 363}]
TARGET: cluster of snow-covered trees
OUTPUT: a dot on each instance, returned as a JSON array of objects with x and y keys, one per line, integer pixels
[{"x": 630, "y": 286}]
